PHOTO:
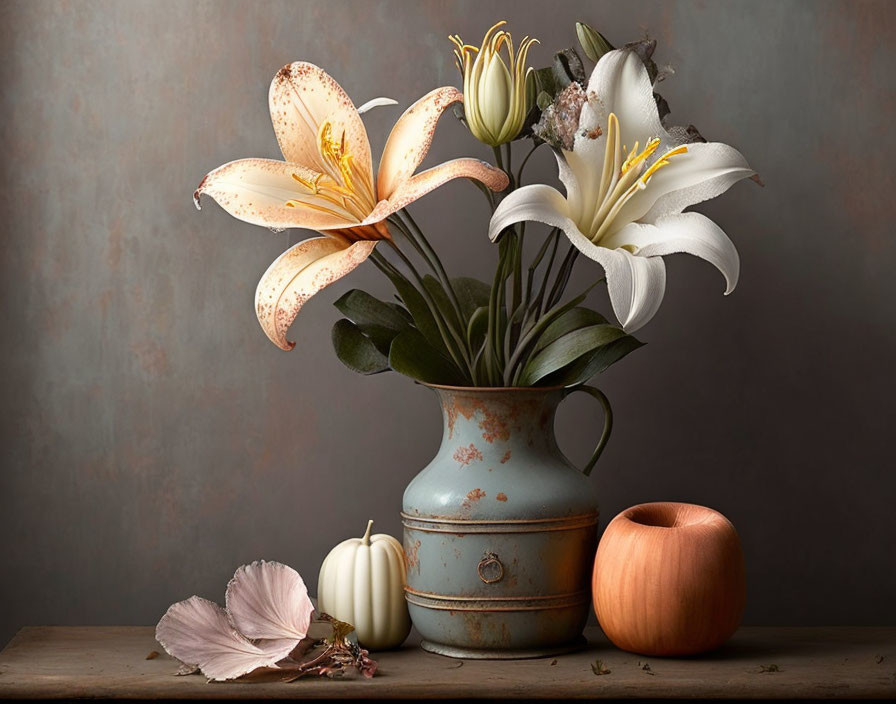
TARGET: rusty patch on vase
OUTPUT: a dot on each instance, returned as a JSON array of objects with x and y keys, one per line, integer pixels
[
  {"x": 473, "y": 623},
  {"x": 466, "y": 455},
  {"x": 506, "y": 457},
  {"x": 472, "y": 497},
  {"x": 501, "y": 496},
  {"x": 493, "y": 423},
  {"x": 450, "y": 417},
  {"x": 505, "y": 634},
  {"x": 494, "y": 428},
  {"x": 410, "y": 556}
]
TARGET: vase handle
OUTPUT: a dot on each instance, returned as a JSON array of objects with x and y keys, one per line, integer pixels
[{"x": 608, "y": 422}]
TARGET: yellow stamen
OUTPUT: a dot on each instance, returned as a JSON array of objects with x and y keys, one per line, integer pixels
[
  {"x": 621, "y": 179},
  {"x": 660, "y": 163},
  {"x": 313, "y": 206},
  {"x": 345, "y": 168},
  {"x": 311, "y": 185},
  {"x": 635, "y": 157},
  {"x": 341, "y": 185}
]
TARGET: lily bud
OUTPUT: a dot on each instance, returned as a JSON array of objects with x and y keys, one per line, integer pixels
[
  {"x": 592, "y": 41},
  {"x": 495, "y": 97}
]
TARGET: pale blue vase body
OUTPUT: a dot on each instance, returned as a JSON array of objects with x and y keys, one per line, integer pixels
[{"x": 500, "y": 530}]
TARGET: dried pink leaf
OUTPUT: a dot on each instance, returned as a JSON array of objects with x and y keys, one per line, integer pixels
[
  {"x": 198, "y": 633},
  {"x": 269, "y": 600}
]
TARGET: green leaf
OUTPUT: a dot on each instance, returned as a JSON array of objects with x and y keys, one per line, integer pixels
[
  {"x": 416, "y": 304},
  {"x": 546, "y": 81},
  {"x": 378, "y": 320},
  {"x": 471, "y": 294},
  {"x": 588, "y": 365},
  {"x": 402, "y": 311},
  {"x": 440, "y": 296},
  {"x": 567, "y": 349},
  {"x": 413, "y": 356},
  {"x": 477, "y": 328},
  {"x": 357, "y": 351},
  {"x": 570, "y": 320},
  {"x": 568, "y": 65},
  {"x": 363, "y": 309}
]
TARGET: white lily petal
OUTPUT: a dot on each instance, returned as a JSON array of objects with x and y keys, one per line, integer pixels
[
  {"x": 620, "y": 84},
  {"x": 636, "y": 284},
  {"x": 376, "y": 103},
  {"x": 197, "y": 632},
  {"x": 687, "y": 233},
  {"x": 579, "y": 178},
  {"x": 707, "y": 170},
  {"x": 536, "y": 202},
  {"x": 269, "y": 600}
]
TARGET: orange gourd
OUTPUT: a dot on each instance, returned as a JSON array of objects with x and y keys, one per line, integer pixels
[{"x": 669, "y": 579}]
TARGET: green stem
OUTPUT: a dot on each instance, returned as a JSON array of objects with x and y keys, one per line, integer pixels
[
  {"x": 519, "y": 173},
  {"x": 452, "y": 325},
  {"x": 539, "y": 299},
  {"x": 403, "y": 229},
  {"x": 492, "y": 361},
  {"x": 499, "y": 160},
  {"x": 436, "y": 265},
  {"x": 563, "y": 275},
  {"x": 509, "y": 168},
  {"x": 537, "y": 329},
  {"x": 485, "y": 190},
  {"x": 384, "y": 265},
  {"x": 447, "y": 332}
]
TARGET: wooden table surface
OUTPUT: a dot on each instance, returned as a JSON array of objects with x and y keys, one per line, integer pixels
[{"x": 110, "y": 662}]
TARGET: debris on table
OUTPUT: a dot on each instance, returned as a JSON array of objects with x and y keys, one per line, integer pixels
[{"x": 597, "y": 667}]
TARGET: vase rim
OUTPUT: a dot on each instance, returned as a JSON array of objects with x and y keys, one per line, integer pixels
[{"x": 493, "y": 389}]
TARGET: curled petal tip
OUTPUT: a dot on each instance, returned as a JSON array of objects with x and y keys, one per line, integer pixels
[
  {"x": 376, "y": 103},
  {"x": 299, "y": 273},
  {"x": 198, "y": 192}
]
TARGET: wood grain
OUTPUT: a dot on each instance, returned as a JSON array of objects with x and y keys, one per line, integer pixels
[
  {"x": 110, "y": 662},
  {"x": 669, "y": 579}
]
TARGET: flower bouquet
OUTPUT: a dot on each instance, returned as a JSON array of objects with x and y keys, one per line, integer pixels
[
  {"x": 499, "y": 506},
  {"x": 628, "y": 175}
]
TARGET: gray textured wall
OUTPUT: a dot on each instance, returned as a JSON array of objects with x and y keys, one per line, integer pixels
[{"x": 153, "y": 439}]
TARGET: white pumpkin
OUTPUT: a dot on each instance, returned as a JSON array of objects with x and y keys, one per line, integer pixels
[{"x": 362, "y": 582}]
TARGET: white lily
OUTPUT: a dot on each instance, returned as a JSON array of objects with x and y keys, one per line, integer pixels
[{"x": 627, "y": 182}]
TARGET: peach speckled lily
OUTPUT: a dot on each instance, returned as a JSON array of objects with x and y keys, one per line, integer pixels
[{"x": 326, "y": 183}]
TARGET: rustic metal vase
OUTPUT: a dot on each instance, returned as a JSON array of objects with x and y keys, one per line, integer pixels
[{"x": 500, "y": 529}]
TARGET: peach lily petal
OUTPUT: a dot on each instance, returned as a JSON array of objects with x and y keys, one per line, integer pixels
[
  {"x": 326, "y": 184},
  {"x": 257, "y": 190},
  {"x": 299, "y": 273},
  {"x": 409, "y": 190},
  {"x": 410, "y": 139},
  {"x": 301, "y": 98}
]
